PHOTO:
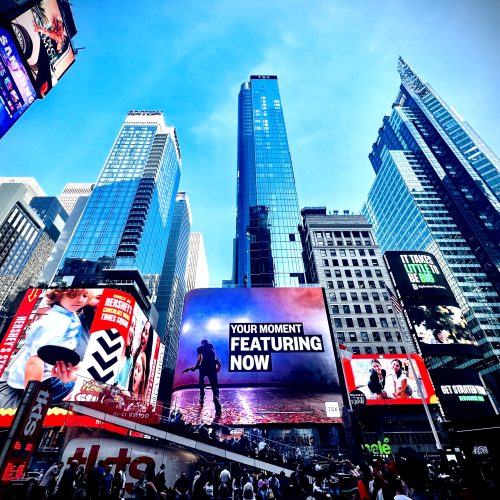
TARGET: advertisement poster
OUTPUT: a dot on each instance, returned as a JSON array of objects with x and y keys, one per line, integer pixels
[
  {"x": 45, "y": 44},
  {"x": 93, "y": 346},
  {"x": 461, "y": 393},
  {"x": 16, "y": 91},
  {"x": 264, "y": 355},
  {"x": 387, "y": 379},
  {"x": 417, "y": 274},
  {"x": 441, "y": 323}
]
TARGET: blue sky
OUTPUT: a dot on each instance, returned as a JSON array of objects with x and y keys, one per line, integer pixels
[{"x": 336, "y": 63}]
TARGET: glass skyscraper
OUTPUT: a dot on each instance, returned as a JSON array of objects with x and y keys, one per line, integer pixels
[
  {"x": 267, "y": 246},
  {"x": 436, "y": 190},
  {"x": 126, "y": 222}
]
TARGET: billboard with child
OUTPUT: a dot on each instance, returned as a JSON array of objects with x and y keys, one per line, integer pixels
[{"x": 87, "y": 345}]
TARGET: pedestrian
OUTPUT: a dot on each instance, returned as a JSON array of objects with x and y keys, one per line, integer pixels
[
  {"x": 49, "y": 480},
  {"x": 159, "y": 480},
  {"x": 94, "y": 481},
  {"x": 119, "y": 482},
  {"x": 66, "y": 486},
  {"x": 107, "y": 483},
  {"x": 182, "y": 487}
]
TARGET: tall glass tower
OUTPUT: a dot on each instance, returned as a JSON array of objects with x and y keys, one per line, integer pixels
[
  {"x": 267, "y": 247},
  {"x": 437, "y": 190},
  {"x": 126, "y": 222}
]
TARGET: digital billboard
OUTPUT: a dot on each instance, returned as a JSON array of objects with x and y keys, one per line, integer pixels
[
  {"x": 434, "y": 316},
  {"x": 266, "y": 353},
  {"x": 461, "y": 393},
  {"x": 417, "y": 274},
  {"x": 16, "y": 91},
  {"x": 388, "y": 379},
  {"x": 45, "y": 44},
  {"x": 87, "y": 345}
]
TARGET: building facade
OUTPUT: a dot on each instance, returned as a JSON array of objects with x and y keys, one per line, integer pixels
[
  {"x": 24, "y": 243},
  {"x": 173, "y": 281},
  {"x": 341, "y": 254},
  {"x": 435, "y": 191},
  {"x": 197, "y": 275},
  {"x": 126, "y": 222},
  {"x": 267, "y": 248},
  {"x": 72, "y": 191}
]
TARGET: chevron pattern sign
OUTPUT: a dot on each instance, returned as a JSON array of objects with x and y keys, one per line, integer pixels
[{"x": 102, "y": 360}]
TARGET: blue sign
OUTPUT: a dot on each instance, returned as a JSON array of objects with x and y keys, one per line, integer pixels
[{"x": 16, "y": 91}]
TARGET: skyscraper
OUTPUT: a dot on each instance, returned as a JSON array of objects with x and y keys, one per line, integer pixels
[
  {"x": 341, "y": 254},
  {"x": 197, "y": 275},
  {"x": 126, "y": 222},
  {"x": 72, "y": 191},
  {"x": 267, "y": 246},
  {"x": 435, "y": 191},
  {"x": 172, "y": 287}
]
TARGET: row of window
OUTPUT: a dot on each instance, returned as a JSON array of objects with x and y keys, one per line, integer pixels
[
  {"x": 354, "y": 296},
  {"x": 345, "y": 262},
  {"x": 361, "y": 322},
  {"x": 353, "y": 336},
  {"x": 357, "y": 273},
  {"x": 351, "y": 284},
  {"x": 352, "y": 252},
  {"x": 346, "y": 309}
]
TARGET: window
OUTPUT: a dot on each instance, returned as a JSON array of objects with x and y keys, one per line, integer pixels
[
  {"x": 342, "y": 252},
  {"x": 383, "y": 322},
  {"x": 333, "y": 253},
  {"x": 338, "y": 274},
  {"x": 392, "y": 350},
  {"x": 350, "y": 284},
  {"x": 361, "y": 252},
  {"x": 394, "y": 322},
  {"x": 325, "y": 262},
  {"x": 352, "y": 253},
  {"x": 348, "y": 274},
  {"x": 340, "y": 284},
  {"x": 355, "y": 262},
  {"x": 398, "y": 336},
  {"x": 335, "y": 309},
  {"x": 357, "y": 273},
  {"x": 364, "y": 337},
  {"x": 374, "y": 262},
  {"x": 328, "y": 273},
  {"x": 322, "y": 253},
  {"x": 378, "y": 273},
  {"x": 335, "y": 262},
  {"x": 361, "y": 322},
  {"x": 381, "y": 284},
  {"x": 368, "y": 273},
  {"x": 341, "y": 336},
  {"x": 333, "y": 296},
  {"x": 361, "y": 284},
  {"x": 354, "y": 296},
  {"x": 328, "y": 234},
  {"x": 380, "y": 308},
  {"x": 364, "y": 296},
  {"x": 353, "y": 337},
  {"x": 371, "y": 284},
  {"x": 376, "y": 336},
  {"x": 380, "y": 350},
  {"x": 357, "y": 309},
  {"x": 371, "y": 252},
  {"x": 356, "y": 350},
  {"x": 343, "y": 296},
  {"x": 345, "y": 262},
  {"x": 319, "y": 234},
  {"x": 364, "y": 262},
  {"x": 349, "y": 322},
  {"x": 337, "y": 322},
  {"x": 403, "y": 350},
  {"x": 388, "y": 336},
  {"x": 368, "y": 350},
  {"x": 375, "y": 296},
  {"x": 346, "y": 309},
  {"x": 368, "y": 308},
  {"x": 329, "y": 284}
]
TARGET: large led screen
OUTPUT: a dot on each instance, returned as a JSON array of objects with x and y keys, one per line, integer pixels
[
  {"x": 387, "y": 379},
  {"x": 461, "y": 393},
  {"x": 88, "y": 345},
  {"x": 417, "y": 274},
  {"x": 16, "y": 91},
  {"x": 267, "y": 353},
  {"x": 45, "y": 44}
]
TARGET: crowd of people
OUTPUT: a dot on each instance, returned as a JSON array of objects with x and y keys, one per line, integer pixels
[{"x": 382, "y": 479}]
